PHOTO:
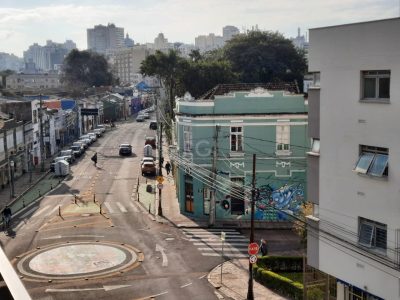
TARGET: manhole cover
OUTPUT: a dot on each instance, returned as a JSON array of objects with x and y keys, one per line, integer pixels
[{"x": 78, "y": 260}]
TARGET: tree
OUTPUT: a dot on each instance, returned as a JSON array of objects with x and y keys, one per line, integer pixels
[
  {"x": 265, "y": 57},
  {"x": 169, "y": 68},
  {"x": 83, "y": 69}
]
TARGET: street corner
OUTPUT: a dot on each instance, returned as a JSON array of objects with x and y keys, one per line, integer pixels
[{"x": 77, "y": 260}]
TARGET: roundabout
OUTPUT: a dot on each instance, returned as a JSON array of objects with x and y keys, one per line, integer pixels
[{"x": 77, "y": 260}]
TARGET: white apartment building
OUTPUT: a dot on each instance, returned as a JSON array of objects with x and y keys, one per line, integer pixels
[
  {"x": 127, "y": 62},
  {"x": 103, "y": 39},
  {"x": 209, "y": 42},
  {"x": 354, "y": 164}
]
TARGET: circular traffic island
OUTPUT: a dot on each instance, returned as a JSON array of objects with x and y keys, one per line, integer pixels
[{"x": 76, "y": 260}]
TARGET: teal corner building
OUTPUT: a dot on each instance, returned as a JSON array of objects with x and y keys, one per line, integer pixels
[{"x": 216, "y": 137}]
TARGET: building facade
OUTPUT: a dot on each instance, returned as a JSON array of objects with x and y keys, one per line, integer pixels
[
  {"x": 216, "y": 139},
  {"x": 103, "y": 39},
  {"x": 33, "y": 82},
  {"x": 209, "y": 42},
  {"x": 353, "y": 167},
  {"x": 229, "y": 31}
]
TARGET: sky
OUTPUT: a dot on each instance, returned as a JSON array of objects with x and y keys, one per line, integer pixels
[{"x": 24, "y": 22}]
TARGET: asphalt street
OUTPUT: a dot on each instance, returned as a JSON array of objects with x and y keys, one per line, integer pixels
[{"x": 64, "y": 248}]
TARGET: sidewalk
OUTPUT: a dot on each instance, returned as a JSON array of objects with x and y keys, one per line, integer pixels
[{"x": 235, "y": 272}]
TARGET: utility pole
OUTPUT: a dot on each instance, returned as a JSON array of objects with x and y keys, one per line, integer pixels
[
  {"x": 160, "y": 169},
  {"x": 41, "y": 134},
  {"x": 211, "y": 221},
  {"x": 250, "y": 294}
]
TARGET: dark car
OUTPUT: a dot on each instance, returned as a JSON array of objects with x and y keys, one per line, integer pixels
[
  {"x": 148, "y": 168},
  {"x": 125, "y": 149},
  {"x": 153, "y": 125},
  {"x": 150, "y": 140}
]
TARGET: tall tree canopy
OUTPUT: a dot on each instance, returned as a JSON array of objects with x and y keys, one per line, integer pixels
[
  {"x": 83, "y": 69},
  {"x": 259, "y": 56}
]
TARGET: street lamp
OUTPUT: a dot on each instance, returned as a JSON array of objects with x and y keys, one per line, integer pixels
[{"x": 12, "y": 178}]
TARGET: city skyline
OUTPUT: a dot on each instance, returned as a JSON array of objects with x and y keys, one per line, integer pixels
[{"x": 28, "y": 22}]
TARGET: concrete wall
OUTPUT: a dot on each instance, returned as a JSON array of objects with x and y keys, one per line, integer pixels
[{"x": 340, "y": 54}]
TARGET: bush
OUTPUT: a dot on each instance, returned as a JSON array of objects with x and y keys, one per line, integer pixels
[
  {"x": 281, "y": 264},
  {"x": 279, "y": 283}
]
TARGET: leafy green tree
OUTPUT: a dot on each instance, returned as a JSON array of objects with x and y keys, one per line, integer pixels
[
  {"x": 169, "y": 68},
  {"x": 265, "y": 57},
  {"x": 83, "y": 69}
]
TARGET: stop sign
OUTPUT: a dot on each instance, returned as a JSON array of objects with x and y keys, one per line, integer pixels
[{"x": 253, "y": 248}]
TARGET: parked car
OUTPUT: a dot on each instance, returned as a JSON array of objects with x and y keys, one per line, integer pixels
[
  {"x": 149, "y": 168},
  {"x": 92, "y": 135},
  {"x": 69, "y": 155},
  {"x": 52, "y": 165},
  {"x": 98, "y": 132},
  {"x": 86, "y": 141},
  {"x": 147, "y": 159},
  {"x": 81, "y": 144},
  {"x": 125, "y": 149},
  {"x": 140, "y": 118},
  {"x": 102, "y": 127},
  {"x": 145, "y": 115},
  {"x": 153, "y": 125},
  {"x": 77, "y": 150},
  {"x": 150, "y": 140}
]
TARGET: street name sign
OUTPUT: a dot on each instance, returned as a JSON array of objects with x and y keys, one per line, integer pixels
[{"x": 253, "y": 248}]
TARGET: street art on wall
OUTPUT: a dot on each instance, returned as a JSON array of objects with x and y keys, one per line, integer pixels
[{"x": 288, "y": 198}]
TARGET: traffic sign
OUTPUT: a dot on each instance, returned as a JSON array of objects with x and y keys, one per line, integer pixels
[
  {"x": 160, "y": 179},
  {"x": 253, "y": 259},
  {"x": 160, "y": 186},
  {"x": 223, "y": 234},
  {"x": 253, "y": 248}
]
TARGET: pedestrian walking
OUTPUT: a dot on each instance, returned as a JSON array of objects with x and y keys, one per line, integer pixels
[
  {"x": 168, "y": 167},
  {"x": 162, "y": 161},
  {"x": 264, "y": 247},
  {"x": 7, "y": 216},
  {"x": 94, "y": 159}
]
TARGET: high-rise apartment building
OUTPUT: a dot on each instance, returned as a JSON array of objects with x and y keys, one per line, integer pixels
[
  {"x": 49, "y": 57},
  {"x": 229, "y": 31},
  {"x": 354, "y": 163},
  {"x": 104, "y": 39},
  {"x": 209, "y": 42}
]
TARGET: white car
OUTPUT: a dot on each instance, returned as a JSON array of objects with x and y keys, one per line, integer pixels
[{"x": 147, "y": 159}]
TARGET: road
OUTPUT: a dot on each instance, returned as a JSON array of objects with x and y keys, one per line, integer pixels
[{"x": 119, "y": 254}]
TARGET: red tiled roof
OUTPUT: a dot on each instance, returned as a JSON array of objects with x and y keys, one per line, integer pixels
[{"x": 52, "y": 104}]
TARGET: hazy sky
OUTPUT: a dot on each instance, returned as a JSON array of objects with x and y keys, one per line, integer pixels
[{"x": 24, "y": 22}]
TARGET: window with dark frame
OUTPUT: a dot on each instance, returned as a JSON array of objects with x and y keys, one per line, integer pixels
[
  {"x": 236, "y": 139},
  {"x": 372, "y": 234},
  {"x": 237, "y": 196},
  {"x": 373, "y": 161},
  {"x": 375, "y": 85}
]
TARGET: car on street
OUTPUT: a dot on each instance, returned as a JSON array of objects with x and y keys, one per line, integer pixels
[
  {"x": 86, "y": 142},
  {"x": 98, "y": 132},
  {"x": 57, "y": 159},
  {"x": 69, "y": 155},
  {"x": 149, "y": 168},
  {"x": 147, "y": 159},
  {"x": 80, "y": 144},
  {"x": 102, "y": 127},
  {"x": 77, "y": 150},
  {"x": 146, "y": 115},
  {"x": 125, "y": 149},
  {"x": 93, "y": 135},
  {"x": 153, "y": 125},
  {"x": 150, "y": 140},
  {"x": 140, "y": 118}
]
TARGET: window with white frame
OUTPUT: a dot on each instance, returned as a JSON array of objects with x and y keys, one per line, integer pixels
[
  {"x": 375, "y": 85},
  {"x": 187, "y": 138},
  {"x": 373, "y": 161},
  {"x": 282, "y": 138},
  {"x": 372, "y": 234},
  {"x": 315, "y": 146},
  {"x": 236, "y": 138}
]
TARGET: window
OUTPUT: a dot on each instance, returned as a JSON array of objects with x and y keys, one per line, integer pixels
[
  {"x": 373, "y": 161},
  {"x": 237, "y": 139},
  {"x": 237, "y": 196},
  {"x": 189, "y": 201},
  {"x": 372, "y": 234},
  {"x": 375, "y": 85},
  {"x": 282, "y": 139},
  {"x": 315, "y": 146},
  {"x": 187, "y": 138}
]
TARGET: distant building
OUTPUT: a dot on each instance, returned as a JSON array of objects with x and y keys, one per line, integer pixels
[
  {"x": 300, "y": 41},
  {"x": 229, "y": 31},
  {"x": 128, "y": 42},
  {"x": 10, "y": 62},
  {"x": 103, "y": 39},
  {"x": 209, "y": 42},
  {"x": 49, "y": 57},
  {"x": 33, "y": 82},
  {"x": 185, "y": 49},
  {"x": 127, "y": 61},
  {"x": 161, "y": 43}
]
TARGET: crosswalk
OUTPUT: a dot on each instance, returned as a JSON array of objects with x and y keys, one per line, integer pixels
[
  {"x": 208, "y": 242},
  {"x": 115, "y": 207}
]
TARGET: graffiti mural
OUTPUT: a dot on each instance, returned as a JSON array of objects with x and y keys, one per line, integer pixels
[{"x": 288, "y": 198}]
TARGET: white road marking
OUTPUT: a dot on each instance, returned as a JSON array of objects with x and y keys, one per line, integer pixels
[
  {"x": 229, "y": 255},
  {"x": 238, "y": 239},
  {"x": 20, "y": 225},
  {"x": 164, "y": 256},
  {"x": 134, "y": 208},
  {"x": 185, "y": 285},
  {"x": 219, "y": 296},
  {"x": 153, "y": 296},
  {"x": 226, "y": 251},
  {"x": 53, "y": 210},
  {"x": 201, "y": 277},
  {"x": 109, "y": 207},
  {"x": 28, "y": 212},
  {"x": 166, "y": 233},
  {"x": 71, "y": 236},
  {"x": 212, "y": 233},
  {"x": 121, "y": 207},
  {"x": 105, "y": 288},
  {"x": 219, "y": 244},
  {"x": 37, "y": 213},
  {"x": 209, "y": 230}
]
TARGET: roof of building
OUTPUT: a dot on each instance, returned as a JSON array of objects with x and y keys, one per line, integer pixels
[{"x": 222, "y": 89}]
